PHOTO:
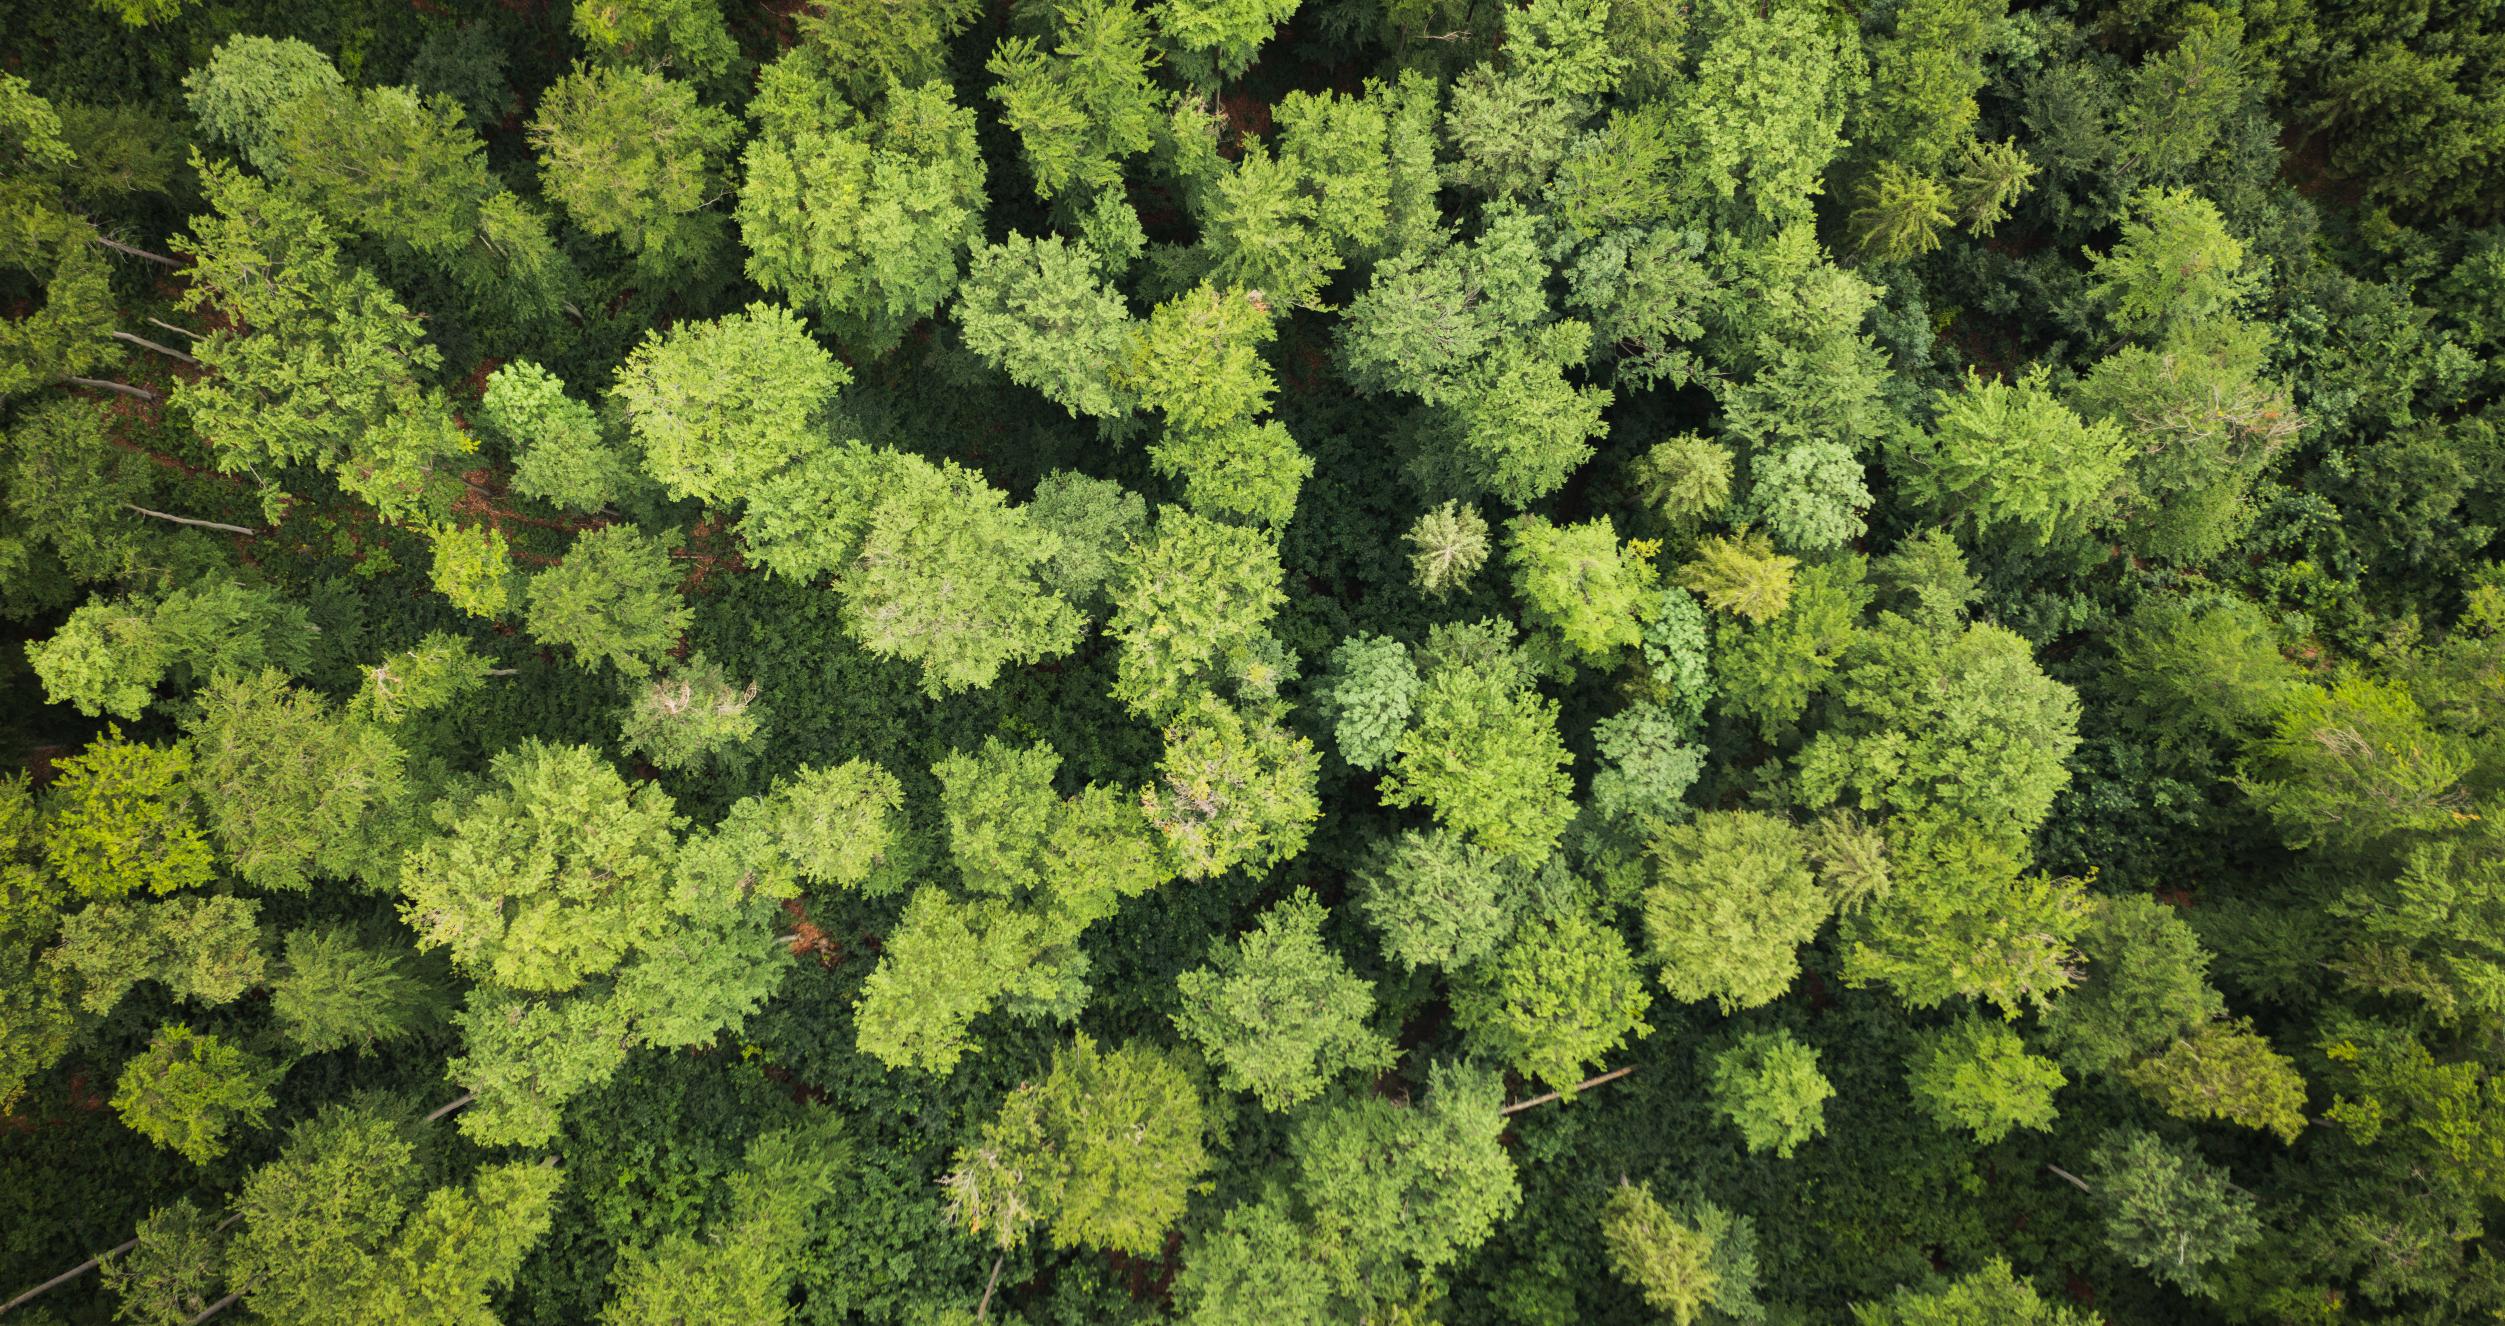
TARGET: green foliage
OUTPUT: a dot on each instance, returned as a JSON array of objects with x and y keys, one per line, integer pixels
[
  {"x": 1437, "y": 899},
  {"x": 865, "y": 220},
  {"x": 613, "y": 599},
  {"x": 1976, "y": 1075},
  {"x": 109, "y": 658},
  {"x": 1398, "y": 1191},
  {"x": 1191, "y": 604},
  {"x": 1730, "y": 903},
  {"x": 685, "y": 34},
  {"x": 1558, "y": 996},
  {"x": 1083, "y": 108},
  {"x": 1646, "y": 763},
  {"x": 1768, "y": 1085},
  {"x": 119, "y": 818},
  {"x": 633, "y": 155},
  {"x": 1102, "y": 1153},
  {"x": 1232, "y": 790},
  {"x": 171, "y": 1274},
  {"x": 334, "y": 991},
  {"x": 1279, "y": 1013},
  {"x": 203, "y": 949},
  {"x": 691, "y": 713},
  {"x": 546, "y": 877},
  {"x": 2168, "y": 1211},
  {"x": 741, "y": 1267},
  {"x": 2225, "y": 1071},
  {"x": 1485, "y": 757},
  {"x": 948, "y": 576},
  {"x": 1448, "y": 546},
  {"x": 1697, "y": 1265},
  {"x": 2011, "y": 456},
  {"x": 2146, "y": 984},
  {"x": 188, "y": 1092},
  {"x": 1368, "y": 692},
  {"x": 1741, "y": 575},
  {"x": 1581, "y": 582},
  {"x": 2174, "y": 265},
  {"x": 1040, "y": 311},
  {"x": 473, "y": 568},
  {"x": 1992, "y": 1296},
  {"x": 560, "y": 454},
  {"x": 2348, "y": 763},
  {"x": 717, "y": 407}
]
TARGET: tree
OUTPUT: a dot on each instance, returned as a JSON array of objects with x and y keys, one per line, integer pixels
[
  {"x": 1961, "y": 918},
  {"x": 473, "y": 568},
  {"x": 203, "y": 949},
  {"x": 1647, "y": 763},
  {"x": 1194, "y": 600},
  {"x": 1559, "y": 995},
  {"x": 187, "y": 1091},
  {"x": 548, "y": 875},
  {"x": 943, "y": 964},
  {"x": 741, "y": 1267},
  {"x": 1973, "y": 733},
  {"x": 1485, "y": 757},
  {"x": 237, "y": 96},
  {"x": 2174, "y": 265},
  {"x": 1258, "y": 1264},
  {"x": 1771, "y": 670},
  {"x": 633, "y": 155},
  {"x": 613, "y": 599},
  {"x": 2147, "y": 984},
  {"x": 561, "y": 455},
  {"x": 2168, "y": 1211},
  {"x": 948, "y": 576},
  {"x": 1976, "y": 1075},
  {"x": 335, "y": 991},
  {"x": 119, "y": 818},
  {"x": 691, "y": 713},
  {"x": 1448, "y": 545},
  {"x": 171, "y": 1273},
  {"x": 331, "y": 370},
  {"x": 1041, "y": 311},
  {"x": 867, "y": 49},
  {"x": 2228, "y": 1072},
  {"x": 1280, "y": 1013},
  {"x": 719, "y": 406},
  {"x": 1768, "y": 1085},
  {"x": 2347, "y": 764},
  {"x": 1696, "y": 1265},
  {"x": 1400, "y": 1191},
  {"x": 1730, "y": 903},
  {"x": 1196, "y": 359},
  {"x": 1252, "y": 470},
  {"x": 1232, "y": 790},
  {"x": 110, "y": 657},
  {"x": 865, "y": 218},
  {"x": 1103, "y": 1152},
  {"x": 1214, "y": 41},
  {"x": 1581, "y": 582},
  {"x": 1367, "y": 693},
  {"x": 2000, "y": 455},
  {"x": 1082, "y": 110},
  {"x": 1741, "y": 575},
  {"x": 1991, "y": 1296},
  {"x": 1097, "y": 521},
  {"x": 686, "y": 34},
  {"x": 1437, "y": 899},
  {"x": 293, "y": 790},
  {"x": 1765, "y": 109}
]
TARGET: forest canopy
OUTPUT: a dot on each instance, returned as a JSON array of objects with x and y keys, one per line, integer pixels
[{"x": 1252, "y": 662}]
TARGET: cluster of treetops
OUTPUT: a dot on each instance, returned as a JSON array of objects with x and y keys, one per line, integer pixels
[{"x": 1085, "y": 662}]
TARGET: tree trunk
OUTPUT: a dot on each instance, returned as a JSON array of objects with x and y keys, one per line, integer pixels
[
  {"x": 178, "y": 331},
  {"x": 1611, "y": 1076},
  {"x": 2075, "y": 1180},
  {"x": 453, "y": 1104},
  {"x": 983, "y": 1310},
  {"x": 187, "y": 520},
  {"x": 168, "y": 351},
  {"x": 141, "y": 393},
  {"x": 66, "y": 1276},
  {"x": 119, "y": 247},
  {"x": 215, "y": 1308}
]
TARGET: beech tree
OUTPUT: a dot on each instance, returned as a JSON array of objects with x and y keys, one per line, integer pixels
[
  {"x": 1976, "y": 1075},
  {"x": 560, "y": 453},
  {"x": 1730, "y": 903},
  {"x": 1084, "y": 107},
  {"x": 1102, "y": 1152},
  {"x": 1698, "y": 1264},
  {"x": 1041, "y": 311},
  {"x": 741, "y": 1268},
  {"x": 1560, "y": 994},
  {"x": 1485, "y": 757},
  {"x": 614, "y": 599},
  {"x": 633, "y": 155},
  {"x": 120, "y": 818},
  {"x": 863, "y": 218},
  {"x": 189, "y": 1092},
  {"x": 719, "y": 406},
  {"x": 1191, "y": 605},
  {"x": 1437, "y": 898},
  {"x": 1280, "y": 1013},
  {"x": 1768, "y": 1085},
  {"x": 1397, "y": 1192},
  {"x": 1234, "y": 789}
]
